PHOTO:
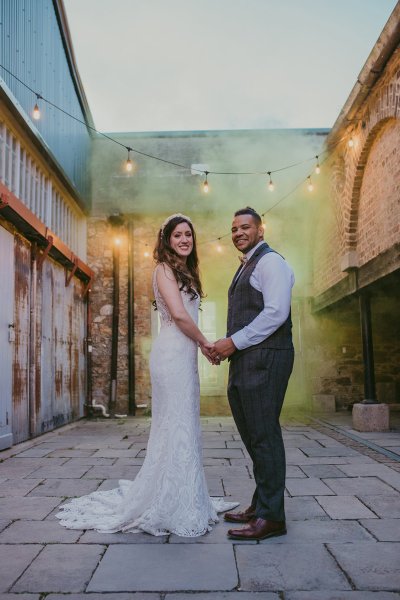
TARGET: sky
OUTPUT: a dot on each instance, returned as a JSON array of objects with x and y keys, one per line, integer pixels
[{"x": 183, "y": 65}]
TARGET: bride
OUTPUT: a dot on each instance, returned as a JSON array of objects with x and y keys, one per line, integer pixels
[{"x": 169, "y": 494}]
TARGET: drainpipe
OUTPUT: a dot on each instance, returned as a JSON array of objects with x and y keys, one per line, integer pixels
[
  {"x": 89, "y": 351},
  {"x": 115, "y": 327},
  {"x": 131, "y": 324},
  {"x": 32, "y": 344},
  {"x": 368, "y": 349}
]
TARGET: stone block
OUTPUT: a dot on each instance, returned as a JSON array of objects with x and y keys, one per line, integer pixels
[
  {"x": 324, "y": 403},
  {"x": 60, "y": 568},
  {"x": 370, "y": 417},
  {"x": 386, "y": 530},
  {"x": 165, "y": 567},
  {"x": 370, "y": 565},
  {"x": 286, "y": 567},
  {"x": 13, "y": 562},
  {"x": 345, "y": 507}
]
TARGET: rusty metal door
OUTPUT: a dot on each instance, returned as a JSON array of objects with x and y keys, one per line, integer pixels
[{"x": 7, "y": 334}]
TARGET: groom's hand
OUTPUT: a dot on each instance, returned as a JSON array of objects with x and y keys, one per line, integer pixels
[
  {"x": 208, "y": 351},
  {"x": 223, "y": 348}
]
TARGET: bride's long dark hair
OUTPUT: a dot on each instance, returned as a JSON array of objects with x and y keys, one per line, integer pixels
[{"x": 186, "y": 274}]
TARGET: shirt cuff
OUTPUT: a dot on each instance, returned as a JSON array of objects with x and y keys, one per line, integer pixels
[{"x": 240, "y": 340}]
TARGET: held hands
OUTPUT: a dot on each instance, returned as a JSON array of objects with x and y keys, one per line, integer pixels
[
  {"x": 207, "y": 348},
  {"x": 217, "y": 351}
]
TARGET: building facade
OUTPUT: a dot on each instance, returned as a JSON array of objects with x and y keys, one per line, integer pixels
[
  {"x": 44, "y": 199},
  {"x": 355, "y": 328}
]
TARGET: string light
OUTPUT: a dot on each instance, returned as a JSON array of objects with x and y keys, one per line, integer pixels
[
  {"x": 129, "y": 162},
  {"x": 310, "y": 185},
  {"x": 117, "y": 241},
  {"x": 317, "y": 166},
  {"x": 350, "y": 142},
  {"x": 264, "y": 225},
  {"x": 146, "y": 253},
  {"x": 36, "y": 110},
  {"x": 271, "y": 186},
  {"x": 206, "y": 187}
]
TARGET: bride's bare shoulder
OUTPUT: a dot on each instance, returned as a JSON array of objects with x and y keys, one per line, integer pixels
[{"x": 164, "y": 271}]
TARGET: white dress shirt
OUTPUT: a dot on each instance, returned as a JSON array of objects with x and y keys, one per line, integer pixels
[{"x": 274, "y": 278}]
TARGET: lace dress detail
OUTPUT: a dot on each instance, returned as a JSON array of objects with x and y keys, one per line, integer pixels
[{"x": 169, "y": 494}]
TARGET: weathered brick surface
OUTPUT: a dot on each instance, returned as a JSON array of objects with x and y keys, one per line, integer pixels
[{"x": 362, "y": 212}]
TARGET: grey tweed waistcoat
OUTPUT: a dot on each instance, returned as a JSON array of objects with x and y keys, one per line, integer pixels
[{"x": 245, "y": 303}]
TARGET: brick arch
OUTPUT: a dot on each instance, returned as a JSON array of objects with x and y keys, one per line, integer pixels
[{"x": 352, "y": 224}]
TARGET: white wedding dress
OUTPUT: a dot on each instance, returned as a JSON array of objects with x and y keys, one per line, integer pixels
[{"x": 169, "y": 494}]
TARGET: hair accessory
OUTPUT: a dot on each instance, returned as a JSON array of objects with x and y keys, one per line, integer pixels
[{"x": 168, "y": 219}]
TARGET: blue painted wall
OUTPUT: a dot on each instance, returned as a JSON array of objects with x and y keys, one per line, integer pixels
[{"x": 31, "y": 47}]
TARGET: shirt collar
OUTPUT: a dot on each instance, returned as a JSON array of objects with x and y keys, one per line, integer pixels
[{"x": 250, "y": 253}]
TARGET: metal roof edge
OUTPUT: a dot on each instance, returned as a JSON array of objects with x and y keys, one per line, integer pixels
[{"x": 61, "y": 16}]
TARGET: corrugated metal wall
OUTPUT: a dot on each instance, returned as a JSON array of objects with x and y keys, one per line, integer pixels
[
  {"x": 31, "y": 48},
  {"x": 49, "y": 355}
]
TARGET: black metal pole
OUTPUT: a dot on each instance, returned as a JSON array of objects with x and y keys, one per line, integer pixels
[
  {"x": 368, "y": 349},
  {"x": 115, "y": 327},
  {"x": 131, "y": 325}
]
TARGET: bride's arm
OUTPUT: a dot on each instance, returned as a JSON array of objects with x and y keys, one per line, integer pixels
[{"x": 169, "y": 290}]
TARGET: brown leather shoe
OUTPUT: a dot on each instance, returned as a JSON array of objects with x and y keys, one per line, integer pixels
[
  {"x": 258, "y": 529},
  {"x": 241, "y": 517}
]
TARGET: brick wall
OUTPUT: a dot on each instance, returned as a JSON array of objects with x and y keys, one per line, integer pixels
[
  {"x": 362, "y": 211},
  {"x": 358, "y": 223}
]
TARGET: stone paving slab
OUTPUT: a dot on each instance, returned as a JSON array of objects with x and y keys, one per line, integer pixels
[
  {"x": 60, "y": 568},
  {"x": 383, "y": 506},
  {"x": 311, "y": 486},
  {"x": 342, "y": 596},
  {"x": 355, "y": 486},
  {"x": 66, "y": 488},
  {"x": 60, "y": 472},
  {"x": 287, "y": 567},
  {"x": 4, "y": 523},
  {"x": 27, "y": 507},
  {"x": 95, "y": 537},
  {"x": 20, "y": 597},
  {"x": 323, "y": 471},
  {"x": 345, "y": 507},
  {"x": 224, "y": 596},
  {"x": 128, "y": 596},
  {"x": 381, "y": 471},
  {"x": 303, "y": 508},
  {"x": 370, "y": 565},
  {"x": 165, "y": 567},
  {"x": 13, "y": 562},
  {"x": 112, "y": 472},
  {"x": 302, "y": 532},
  {"x": 18, "y": 487},
  {"x": 385, "y": 530},
  {"x": 38, "y": 532}
]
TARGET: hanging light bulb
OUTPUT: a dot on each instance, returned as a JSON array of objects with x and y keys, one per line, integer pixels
[
  {"x": 310, "y": 184},
  {"x": 350, "y": 142},
  {"x": 206, "y": 187},
  {"x": 129, "y": 162},
  {"x": 271, "y": 186},
  {"x": 146, "y": 254},
  {"x": 219, "y": 247},
  {"x": 264, "y": 225},
  {"x": 317, "y": 166},
  {"x": 36, "y": 110}
]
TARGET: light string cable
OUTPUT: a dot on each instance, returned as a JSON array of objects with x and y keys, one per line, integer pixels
[
  {"x": 296, "y": 187},
  {"x": 129, "y": 149}
]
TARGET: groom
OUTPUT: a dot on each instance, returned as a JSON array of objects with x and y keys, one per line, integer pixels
[{"x": 259, "y": 344}]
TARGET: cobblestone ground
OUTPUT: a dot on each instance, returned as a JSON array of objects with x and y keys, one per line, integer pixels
[{"x": 343, "y": 510}]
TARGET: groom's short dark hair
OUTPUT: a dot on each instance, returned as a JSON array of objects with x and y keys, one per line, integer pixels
[{"x": 249, "y": 211}]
